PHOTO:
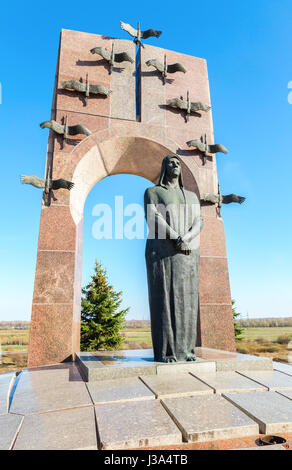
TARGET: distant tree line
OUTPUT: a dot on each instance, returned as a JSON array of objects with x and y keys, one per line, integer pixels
[
  {"x": 17, "y": 325},
  {"x": 265, "y": 322}
]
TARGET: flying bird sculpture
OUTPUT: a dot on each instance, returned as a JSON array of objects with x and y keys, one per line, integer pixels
[
  {"x": 112, "y": 57},
  {"x": 164, "y": 69},
  {"x": 138, "y": 34},
  {"x": 206, "y": 148},
  {"x": 47, "y": 184},
  {"x": 42, "y": 182},
  {"x": 188, "y": 106},
  {"x": 219, "y": 199},
  {"x": 86, "y": 88},
  {"x": 65, "y": 129}
]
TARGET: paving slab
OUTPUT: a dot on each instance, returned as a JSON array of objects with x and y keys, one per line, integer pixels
[
  {"x": 272, "y": 411},
  {"x": 176, "y": 386},
  {"x": 61, "y": 430},
  {"x": 229, "y": 382},
  {"x": 231, "y": 361},
  {"x": 209, "y": 417},
  {"x": 198, "y": 366},
  {"x": 42, "y": 391},
  {"x": 44, "y": 377},
  {"x": 281, "y": 367},
  {"x": 6, "y": 381},
  {"x": 135, "y": 424},
  {"x": 9, "y": 425},
  {"x": 6, "y": 378},
  {"x": 118, "y": 390},
  {"x": 4, "y": 389},
  {"x": 273, "y": 380},
  {"x": 286, "y": 393}
]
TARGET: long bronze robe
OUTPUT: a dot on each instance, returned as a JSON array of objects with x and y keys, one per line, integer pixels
[{"x": 172, "y": 275}]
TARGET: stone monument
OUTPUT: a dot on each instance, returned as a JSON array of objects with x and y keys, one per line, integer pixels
[{"x": 131, "y": 131}]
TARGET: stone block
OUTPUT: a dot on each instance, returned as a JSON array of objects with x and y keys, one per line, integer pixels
[
  {"x": 44, "y": 391},
  {"x": 119, "y": 390},
  {"x": 177, "y": 385},
  {"x": 212, "y": 238},
  {"x": 61, "y": 430},
  {"x": 273, "y": 380},
  {"x": 214, "y": 281},
  {"x": 55, "y": 346},
  {"x": 198, "y": 366},
  {"x": 229, "y": 382},
  {"x": 286, "y": 393},
  {"x": 271, "y": 411},
  {"x": 62, "y": 239},
  {"x": 54, "y": 277},
  {"x": 143, "y": 424},
  {"x": 209, "y": 417},
  {"x": 216, "y": 325},
  {"x": 9, "y": 426},
  {"x": 281, "y": 367}
]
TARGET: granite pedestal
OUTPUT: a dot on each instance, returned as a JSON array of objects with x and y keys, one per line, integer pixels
[{"x": 105, "y": 365}]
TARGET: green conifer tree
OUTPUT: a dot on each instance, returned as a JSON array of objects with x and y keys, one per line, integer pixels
[
  {"x": 101, "y": 322},
  {"x": 237, "y": 330}
]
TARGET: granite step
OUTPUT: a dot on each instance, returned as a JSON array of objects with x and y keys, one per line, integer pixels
[
  {"x": 209, "y": 417},
  {"x": 272, "y": 411},
  {"x": 135, "y": 424}
]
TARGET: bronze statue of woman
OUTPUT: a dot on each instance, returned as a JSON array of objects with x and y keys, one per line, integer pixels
[{"x": 172, "y": 258}]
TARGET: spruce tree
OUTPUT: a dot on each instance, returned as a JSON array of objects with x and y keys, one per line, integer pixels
[
  {"x": 101, "y": 320},
  {"x": 237, "y": 330}
]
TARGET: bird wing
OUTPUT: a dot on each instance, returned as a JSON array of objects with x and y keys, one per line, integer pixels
[
  {"x": 198, "y": 144},
  {"x": 78, "y": 129},
  {"x": 33, "y": 180},
  {"x": 61, "y": 184},
  {"x": 99, "y": 90},
  {"x": 123, "y": 57},
  {"x": 150, "y": 32},
  {"x": 229, "y": 198},
  {"x": 199, "y": 106},
  {"x": 102, "y": 51},
  {"x": 155, "y": 63},
  {"x": 127, "y": 27},
  {"x": 53, "y": 125},
  {"x": 176, "y": 68},
  {"x": 211, "y": 197},
  {"x": 177, "y": 103},
  {"x": 74, "y": 85},
  {"x": 217, "y": 148}
]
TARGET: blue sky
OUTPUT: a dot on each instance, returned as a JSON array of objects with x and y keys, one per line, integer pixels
[{"x": 248, "y": 50}]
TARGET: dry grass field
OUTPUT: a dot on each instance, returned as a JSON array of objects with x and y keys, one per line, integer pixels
[
  {"x": 13, "y": 349},
  {"x": 269, "y": 342}
]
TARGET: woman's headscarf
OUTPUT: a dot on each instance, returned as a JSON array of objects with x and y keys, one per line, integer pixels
[{"x": 161, "y": 181}]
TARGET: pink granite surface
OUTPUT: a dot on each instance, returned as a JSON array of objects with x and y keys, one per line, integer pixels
[{"x": 120, "y": 143}]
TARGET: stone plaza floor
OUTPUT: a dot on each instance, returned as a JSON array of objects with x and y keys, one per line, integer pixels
[{"x": 222, "y": 401}]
